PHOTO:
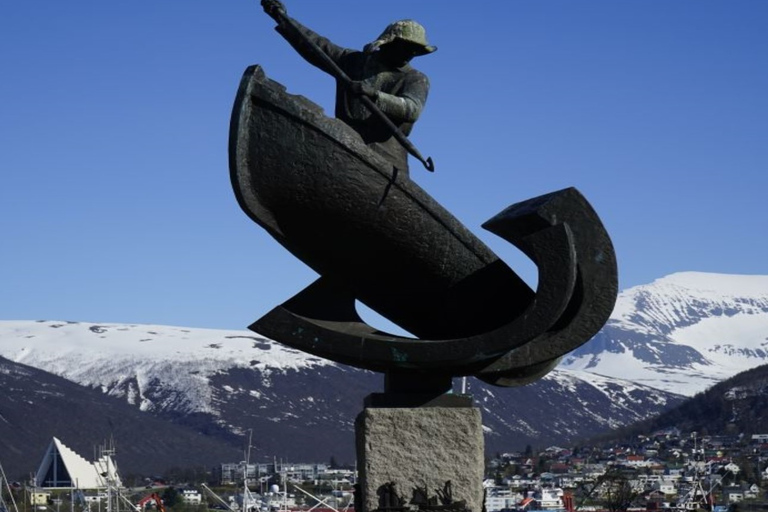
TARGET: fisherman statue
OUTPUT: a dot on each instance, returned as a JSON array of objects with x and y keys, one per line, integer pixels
[
  {"x": 335, "y": 192},
  {"x": 381, "y": 73}
]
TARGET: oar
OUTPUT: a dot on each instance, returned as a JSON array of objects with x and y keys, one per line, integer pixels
[{"x": 339, "y": 74}]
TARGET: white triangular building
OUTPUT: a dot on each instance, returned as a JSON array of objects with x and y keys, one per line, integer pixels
[{"x": 62, "y": 468}]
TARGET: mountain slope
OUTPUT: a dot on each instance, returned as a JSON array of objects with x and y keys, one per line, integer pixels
[
  {"x": 153, "y": 367},
  {"x": 36, "y": 405},
  {"x": 223, "y": 383},
  {"x": 738, "y": 405}
]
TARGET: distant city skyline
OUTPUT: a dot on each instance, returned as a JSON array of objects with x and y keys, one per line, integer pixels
[{"x": 115, "y": 202}]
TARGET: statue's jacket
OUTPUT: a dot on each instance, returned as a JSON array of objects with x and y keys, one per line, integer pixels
[{"x": 402, "y": 91}]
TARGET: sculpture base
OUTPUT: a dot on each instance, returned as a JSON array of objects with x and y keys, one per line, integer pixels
[{"x": 422, "y": 447}]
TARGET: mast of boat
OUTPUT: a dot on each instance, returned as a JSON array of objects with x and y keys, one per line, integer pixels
[
  {"x": 285, "y": 486},
  {"x": 8, "y": 487},
  {"x": 250, "y": 444},
  {"x": 125, "y": 500},
  {"x": 319, "y": 503},
  {"x": 106, "y": 460},
  {"x": 284, "y": 478},
  {"x": 696, "y": 497},
  {"x": 248, "y": 499},
  {"x": 217, "y": 497},
  {"x": 109, "y": 495},
  {"x": 283, "y": 504}
]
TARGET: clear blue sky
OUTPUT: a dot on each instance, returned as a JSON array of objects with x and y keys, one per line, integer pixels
[{"x": 115, "y": 202}]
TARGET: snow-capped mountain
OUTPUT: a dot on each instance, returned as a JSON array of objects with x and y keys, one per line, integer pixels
[
  {"x": 673, "y": 337},
  {"x": 299, "y": 407},
  {"x": 154, "y": 367},
  {"x": 682, "y": 333},
  {"x": 36, "y": 405}
]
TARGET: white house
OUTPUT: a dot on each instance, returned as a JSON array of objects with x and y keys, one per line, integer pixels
[
  {"x": 39, "y": 497},
  {"x": 666, "y": 487},
  {"x": 499, "y": 498},
  {"x": 752, "y": 493},
  {"x": 191, "y": 496},
  {"x": 733, "y": 494}
]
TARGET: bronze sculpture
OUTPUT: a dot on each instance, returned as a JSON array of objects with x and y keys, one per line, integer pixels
[{"x": 339, "y": 202}]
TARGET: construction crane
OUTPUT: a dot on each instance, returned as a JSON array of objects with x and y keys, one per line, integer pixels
[{"x": 152, "y": 497}]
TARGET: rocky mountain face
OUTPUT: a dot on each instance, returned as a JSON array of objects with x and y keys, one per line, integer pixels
[{"x": 675, "y": 336}]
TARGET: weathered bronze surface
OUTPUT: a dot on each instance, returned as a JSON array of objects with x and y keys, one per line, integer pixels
[
  {"x": 378, "y": 93},
  {"x": 336, "y": 193},
  {"x": 375, "y": 236}
]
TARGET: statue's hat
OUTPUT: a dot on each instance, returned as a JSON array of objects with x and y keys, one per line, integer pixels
[{"x": 406, "y": 30}]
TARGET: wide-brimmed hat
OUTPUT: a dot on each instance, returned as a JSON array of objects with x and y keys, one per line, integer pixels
[{"x": 406, "y": 30}]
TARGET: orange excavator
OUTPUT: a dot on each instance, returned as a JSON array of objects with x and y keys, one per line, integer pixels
[{"x": 152, "y": 497}]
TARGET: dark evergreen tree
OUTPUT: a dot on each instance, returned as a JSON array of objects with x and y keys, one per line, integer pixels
[{"x": 170, "y": 497}]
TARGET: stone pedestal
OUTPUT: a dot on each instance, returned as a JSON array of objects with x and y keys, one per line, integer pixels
[{"x": 417, "y": 447}]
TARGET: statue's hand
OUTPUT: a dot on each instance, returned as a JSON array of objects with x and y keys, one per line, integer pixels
[
  {"x": 363, "y": 89},
  {"x": 274, "y": 9}
]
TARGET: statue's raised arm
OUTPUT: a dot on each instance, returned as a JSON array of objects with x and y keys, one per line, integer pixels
[
  {"x": 298, "y": 35},
  {"x": 380, "y": 74}
]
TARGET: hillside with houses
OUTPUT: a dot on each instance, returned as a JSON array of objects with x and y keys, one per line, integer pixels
[{"x": 665, "y": 470}]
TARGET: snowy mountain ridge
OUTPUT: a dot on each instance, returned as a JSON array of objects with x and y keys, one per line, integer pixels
[
  {"x": 223, "y": 383},
  {"x": 677, "y": 335},
  {"x": 681, "y": 299},
  {"x": 130, "y": 360},
  {"x": 682, "y": 333}
]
